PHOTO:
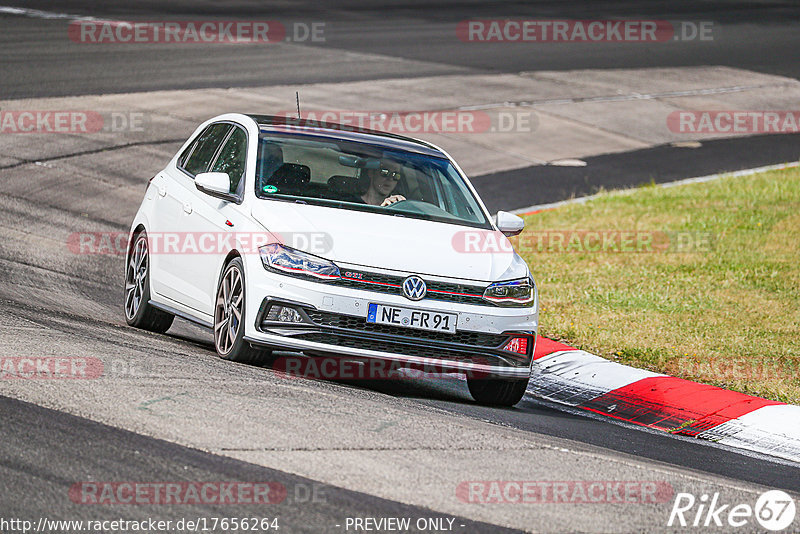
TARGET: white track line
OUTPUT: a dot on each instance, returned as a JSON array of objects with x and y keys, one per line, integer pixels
[{"x": 47, "y": 15}]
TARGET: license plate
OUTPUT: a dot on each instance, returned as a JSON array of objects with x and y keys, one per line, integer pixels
[{"x": 410, "y": 318}]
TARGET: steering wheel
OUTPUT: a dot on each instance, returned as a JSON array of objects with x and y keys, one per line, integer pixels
[{"x": 393, "y": 204}]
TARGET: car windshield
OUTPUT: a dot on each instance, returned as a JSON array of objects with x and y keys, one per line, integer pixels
[{"x": 358, "y": 176}]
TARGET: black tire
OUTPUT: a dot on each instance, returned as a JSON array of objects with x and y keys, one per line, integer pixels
[
  {"x": 228, "y": 328},
  {"x": 139, "y": 313},
  {"x": 497, "y": 391}
]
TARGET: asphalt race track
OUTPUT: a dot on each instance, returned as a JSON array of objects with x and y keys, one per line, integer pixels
[
  {"x": 167, "y": 409},
  {"x": 116, "y": 454},
  {"x": 758, "y": 36}
]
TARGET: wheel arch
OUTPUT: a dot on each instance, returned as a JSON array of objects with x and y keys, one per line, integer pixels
[
  {"x": 233, "y": 253},
  {"x": 135, "y": 231}
]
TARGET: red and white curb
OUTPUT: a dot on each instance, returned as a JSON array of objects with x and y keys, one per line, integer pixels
[{"x": 576, "y": 378}]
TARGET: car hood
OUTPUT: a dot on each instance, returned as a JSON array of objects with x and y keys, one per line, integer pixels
[{"x": 392, "y": 242}]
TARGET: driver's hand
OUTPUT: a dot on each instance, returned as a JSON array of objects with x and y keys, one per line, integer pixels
[{"x": 392, "y": 199}]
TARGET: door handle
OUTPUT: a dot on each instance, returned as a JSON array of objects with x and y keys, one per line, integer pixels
[{"x": 187, "y": 208}]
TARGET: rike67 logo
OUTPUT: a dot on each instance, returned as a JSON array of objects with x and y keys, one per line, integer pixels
[{"x": 774, "y": 510}]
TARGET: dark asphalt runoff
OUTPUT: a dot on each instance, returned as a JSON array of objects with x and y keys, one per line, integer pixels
[{"x": 657, "y": 165}]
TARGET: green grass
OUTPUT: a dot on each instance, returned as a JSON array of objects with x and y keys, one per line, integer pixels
[{"x": 714, "y": 298}]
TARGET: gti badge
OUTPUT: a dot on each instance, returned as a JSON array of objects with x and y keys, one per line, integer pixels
[{"x": 414, "y": 288}]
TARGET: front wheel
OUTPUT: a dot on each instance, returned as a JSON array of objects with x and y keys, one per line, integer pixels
[
  {"x": 229, "y": 313},
  {"x": 139, "y": 313},
  {"x": 497, "y": 391}
]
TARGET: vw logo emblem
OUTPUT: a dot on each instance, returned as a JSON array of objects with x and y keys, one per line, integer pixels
[{"x": 414, "y": 288}]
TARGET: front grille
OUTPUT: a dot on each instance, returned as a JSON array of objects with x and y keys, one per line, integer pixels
[
  {"x": 383, "y": 283},
  {"x": 371, "y": 285},
  {"x": 356, "y": 324},
  {"x": 354, "y": 332}
]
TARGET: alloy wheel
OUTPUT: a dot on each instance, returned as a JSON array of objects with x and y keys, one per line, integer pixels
[
  {"x": 135, "y": 277},
  {"x": 228, "y": 310}
]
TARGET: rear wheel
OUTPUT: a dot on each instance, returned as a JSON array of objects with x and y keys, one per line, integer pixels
[
  {"x": 139, "y": 312},
  {"x": 229, "y": 313},
  {"x": 497, "y": 391}
]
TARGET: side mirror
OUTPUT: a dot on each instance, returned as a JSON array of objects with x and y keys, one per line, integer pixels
[
  {"x": 216, "y": 184},
  {"x": 508, "y": 223}
]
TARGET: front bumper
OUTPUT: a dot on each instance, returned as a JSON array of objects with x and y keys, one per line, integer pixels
[
  {"x": 335, "y": 324},
  {"x": 323, "y": 332}
]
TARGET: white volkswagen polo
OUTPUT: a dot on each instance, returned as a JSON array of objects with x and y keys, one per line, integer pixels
[{"x": 327, "y": 240}]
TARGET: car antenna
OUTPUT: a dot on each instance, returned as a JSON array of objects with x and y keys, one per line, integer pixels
[{"x": 297, "y": 98}]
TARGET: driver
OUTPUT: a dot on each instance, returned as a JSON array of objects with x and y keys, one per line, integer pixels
[{"x": 382, "y": 182}]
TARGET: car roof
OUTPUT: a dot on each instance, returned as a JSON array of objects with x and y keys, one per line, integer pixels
[{"x": 353, "y": 133}]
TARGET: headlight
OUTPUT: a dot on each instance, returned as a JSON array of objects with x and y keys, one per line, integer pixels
[
  {"x": 518, "y": 293},
  {"x": 291, "y": 261}
]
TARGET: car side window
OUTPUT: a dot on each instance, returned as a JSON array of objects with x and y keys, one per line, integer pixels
[
  {"x": 186, "y": 153},
  {"x": 232, "y": 158},
  {"x": 205, "y": 147}
]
